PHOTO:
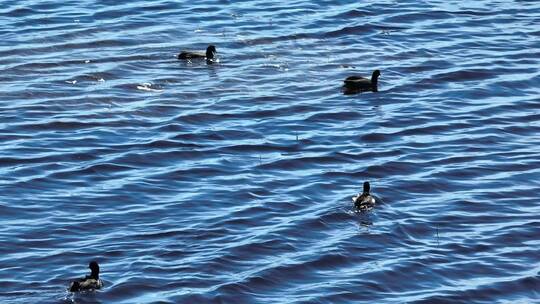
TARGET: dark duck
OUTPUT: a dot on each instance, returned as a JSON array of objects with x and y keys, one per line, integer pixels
[
  {"x": 357, "y": 84},
  {"x": 209, "y": 55},
  {"x": 89, "y": 282},
  {"x": 364, "y": 200}
]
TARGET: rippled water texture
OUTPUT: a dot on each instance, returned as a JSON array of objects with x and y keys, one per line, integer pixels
[{"x": 231, "y": 182}]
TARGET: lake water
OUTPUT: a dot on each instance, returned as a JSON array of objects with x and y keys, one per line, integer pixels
[{"x": 232, "y": 182}]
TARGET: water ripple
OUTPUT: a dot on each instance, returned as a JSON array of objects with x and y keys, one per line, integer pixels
[{"x": 232, "y": 182}]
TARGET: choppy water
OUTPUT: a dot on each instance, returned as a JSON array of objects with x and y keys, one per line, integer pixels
[{"x": 231, "y": 182}]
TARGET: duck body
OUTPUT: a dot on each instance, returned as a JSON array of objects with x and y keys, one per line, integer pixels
[
  {"x": 364, "y": 201},
  {"x": 89, "y": 282},
  {"x": 191, "y": 55},
  {"x": 85, "y": 284},
  {"x": 208, "y": 55},
  {"x": 357, "y": 84}
]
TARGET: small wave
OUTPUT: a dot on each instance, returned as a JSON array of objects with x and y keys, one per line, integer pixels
[{"x": 149, "y": 87}]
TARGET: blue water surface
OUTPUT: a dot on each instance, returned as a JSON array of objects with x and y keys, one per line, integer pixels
[{"x": 232, "y": 182}]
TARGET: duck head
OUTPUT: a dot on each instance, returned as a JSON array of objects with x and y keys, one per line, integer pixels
[
  {"x": 210, "y": 52},
  {"x": 94, "y": 267},
  {"x": 366, "y": 187},
  {"x": 375, "y": 79}
]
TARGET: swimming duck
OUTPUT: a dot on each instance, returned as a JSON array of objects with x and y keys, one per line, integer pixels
[
  {"x": 365, "y": 200},
  {"x": 89, "y": 282},
  {"x": 209, "y": 55},
  {"x": 356, "y": 84}
]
